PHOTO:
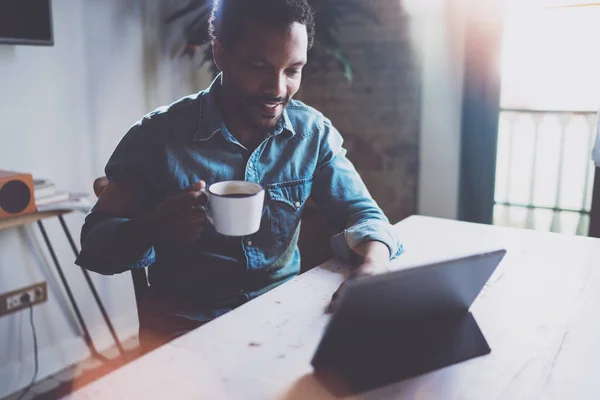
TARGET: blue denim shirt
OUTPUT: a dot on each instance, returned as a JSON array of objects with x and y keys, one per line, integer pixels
[{"x": 173, "y": 147}]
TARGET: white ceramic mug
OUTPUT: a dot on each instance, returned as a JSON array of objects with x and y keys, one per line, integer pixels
[{"x": 235, "y": 207}]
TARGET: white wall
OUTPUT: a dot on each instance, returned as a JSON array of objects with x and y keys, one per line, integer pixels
[
  {"x": 440, "y": 35},
  {"x": 62, "y": 111}
]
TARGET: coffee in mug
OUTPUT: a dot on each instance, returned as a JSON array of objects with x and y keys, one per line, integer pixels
[{"x": 235, "y": 207}]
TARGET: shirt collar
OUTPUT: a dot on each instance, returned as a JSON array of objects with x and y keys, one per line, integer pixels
[{"x": 211, "y": 120}]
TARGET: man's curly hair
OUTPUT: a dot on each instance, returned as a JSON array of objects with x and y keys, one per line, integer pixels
[{"x": 227, "y": 19}]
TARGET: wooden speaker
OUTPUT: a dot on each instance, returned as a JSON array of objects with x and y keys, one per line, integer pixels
[{"x": 16, "y": 194}]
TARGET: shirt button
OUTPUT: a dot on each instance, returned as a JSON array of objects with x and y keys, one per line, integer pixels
[
  {"x": 297, "y": 204},
  {"x": 249, "y": 243},
  {"x": 250, "y": 164}
]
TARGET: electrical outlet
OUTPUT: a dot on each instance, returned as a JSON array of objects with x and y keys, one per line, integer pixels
[{"x": 19, "y": 299}]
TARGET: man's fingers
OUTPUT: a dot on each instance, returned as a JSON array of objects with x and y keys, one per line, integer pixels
[
  {"x": 335, "y": 298},
  {"x": 332, "y": 305},
  {"x": 195, "y": 216},
  {"x": 187, "y": 199},
  {"x": 197, "y": 186}
]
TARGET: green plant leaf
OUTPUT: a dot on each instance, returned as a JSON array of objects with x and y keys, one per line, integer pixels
[{"x": 345, "y": 64}]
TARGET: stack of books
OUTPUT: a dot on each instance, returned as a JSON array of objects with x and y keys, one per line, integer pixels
[
  {"x": 46, "y": 193},
  {"x": 49, "y": 198}
]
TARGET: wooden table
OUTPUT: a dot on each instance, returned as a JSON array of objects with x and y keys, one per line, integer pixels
[
  {"x": 540, "y": 312},
  {"x": 15, "y": 222}
]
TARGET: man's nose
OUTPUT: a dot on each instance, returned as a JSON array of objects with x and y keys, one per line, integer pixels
[{"x": 275, "y": 86}]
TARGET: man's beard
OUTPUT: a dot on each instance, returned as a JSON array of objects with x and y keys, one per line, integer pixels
[{"x": 263, "y": 103}]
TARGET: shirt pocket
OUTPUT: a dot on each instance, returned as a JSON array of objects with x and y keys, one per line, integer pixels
[{"x": 286, "y": 202}]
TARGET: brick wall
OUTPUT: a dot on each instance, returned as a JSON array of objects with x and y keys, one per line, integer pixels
[{"x": 378, "y": 113}]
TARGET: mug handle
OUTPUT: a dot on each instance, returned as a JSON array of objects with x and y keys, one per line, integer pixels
[{"x": 208, "y": 217}]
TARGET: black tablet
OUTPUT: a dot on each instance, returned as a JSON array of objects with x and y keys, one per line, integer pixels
[{"x": 404, "y": 323}]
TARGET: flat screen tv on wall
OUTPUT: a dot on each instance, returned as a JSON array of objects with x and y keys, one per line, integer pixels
[{"x": 26, "y": 22}]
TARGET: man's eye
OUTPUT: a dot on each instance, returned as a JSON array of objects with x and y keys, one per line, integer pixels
[
  {"x": 257, "y": 67},
  {"x": 293, "y": 72}
]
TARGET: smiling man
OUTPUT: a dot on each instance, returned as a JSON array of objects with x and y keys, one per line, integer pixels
[{"x": 245, "y": 126}]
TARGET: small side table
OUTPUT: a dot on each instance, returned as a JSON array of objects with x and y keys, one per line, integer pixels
[{"x": 9, "y": 223}]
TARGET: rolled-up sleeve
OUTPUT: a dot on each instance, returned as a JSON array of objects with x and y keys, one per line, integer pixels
[
  {"x": 341, "y": 194},
  {"x": 104, "y": 248},
  {"x": 105, "y": 251},
  {"x": 368, "y": 231}
]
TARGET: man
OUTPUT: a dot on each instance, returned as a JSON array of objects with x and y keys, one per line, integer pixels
[{"x": 244, "y": 127}]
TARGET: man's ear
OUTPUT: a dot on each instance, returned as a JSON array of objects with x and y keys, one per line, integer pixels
[{"x": 219, "y": 55}]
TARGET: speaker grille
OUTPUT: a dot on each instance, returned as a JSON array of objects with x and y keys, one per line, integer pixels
[{"x": 14, "y": 197}]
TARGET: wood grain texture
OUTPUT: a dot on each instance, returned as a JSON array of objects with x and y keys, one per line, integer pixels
[
  {"x": 540, "y": 313},
  {"x": 15, "y": 222}
]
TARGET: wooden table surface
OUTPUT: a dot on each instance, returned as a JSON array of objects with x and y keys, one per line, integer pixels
[
  {"x": 14, "y": 222},
  {"x": 540, "y": 313}
]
